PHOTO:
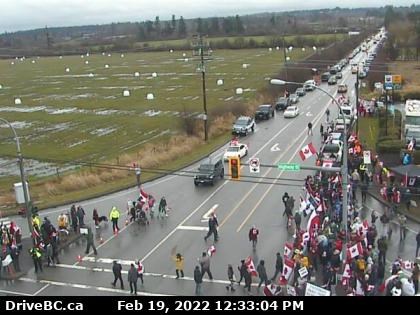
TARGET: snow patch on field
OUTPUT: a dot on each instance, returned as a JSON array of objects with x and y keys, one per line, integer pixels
[
  {"x": 17, "y": 125},
  {"x": 103, "y": 131},
  {"x": 22, "y": 109},
  {"x": 77, "y": 143},
  {"x": 152, "y": 113}
]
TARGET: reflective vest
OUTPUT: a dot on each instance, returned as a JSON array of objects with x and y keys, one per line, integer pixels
[{"x": 115, "y": 214}]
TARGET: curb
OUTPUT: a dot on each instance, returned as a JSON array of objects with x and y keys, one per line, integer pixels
[{"x": 385, "y": 203}]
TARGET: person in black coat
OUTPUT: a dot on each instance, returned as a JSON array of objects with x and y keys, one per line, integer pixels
[
  {"x": 248, "y": 281},
  {"x": 116, "y": 270},
  {"x": 198, "y": 278},
  {"x": 73, "y": 217},
  {"x": 213, "y": 225},
  {"x": 278, "y": 267},
  {"x": 132, "y": 279},
  {"x": 242, "y": 270},
  {"x": 262, "y": 273}
]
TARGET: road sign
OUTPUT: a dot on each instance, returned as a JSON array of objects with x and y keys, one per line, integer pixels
[
  {"x": 289, "y": 167},
  {"x": 396, "y": 79},
  {"x": 388, "y": 82},
  {"x": 254, "y": 165}
]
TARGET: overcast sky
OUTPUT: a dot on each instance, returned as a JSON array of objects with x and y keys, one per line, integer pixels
[{"x": 29, "y": 14}]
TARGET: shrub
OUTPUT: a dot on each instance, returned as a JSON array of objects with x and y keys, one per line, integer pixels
[{"x": 390, "y": 146}]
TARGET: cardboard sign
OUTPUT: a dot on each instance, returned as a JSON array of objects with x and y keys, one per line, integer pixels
[
  {"x": 303, "y": 272},
  {"x": 291, "y": 291},
  {"x": 366, "y": 157},
  {"x": 313, "y": 290}
]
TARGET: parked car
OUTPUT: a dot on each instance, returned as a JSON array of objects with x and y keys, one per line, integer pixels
[
  {"x": 243, "y": 125},
  {"x": 362, "y": 74},
  {"x": 239, "y": 150},
  {"x": 282, "y": 103},
  {"x": 264, "y": 112},
  {"x": 332, "y": 80},
  {"x": 300, "y": 92},
  {"x": 342, "y": 88},
  {"x": 209, "y": 171},
  {"x": 294, "y": 98},
  {"x": 291, "y": 112},
  {"x": 339, "y": 75}
]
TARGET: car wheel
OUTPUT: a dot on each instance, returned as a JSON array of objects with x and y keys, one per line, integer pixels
[{"x": 272, "y": 114}]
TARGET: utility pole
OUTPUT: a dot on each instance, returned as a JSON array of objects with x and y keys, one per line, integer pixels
[
  {"x": 201, "y": 50},
  {"x": 285, "y": 60},
  {"x": 386, "y": 112},
  {"x": 357, "y": 101}
]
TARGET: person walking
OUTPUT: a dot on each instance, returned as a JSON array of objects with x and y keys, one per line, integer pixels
[
  {"x": 205, "y": 265},
  {"x": 262, "y": 273},
  {"x": 310, "y": 129},
  {"x": 298, "y": 220},
  {"x": 90, "y": 242},
  {"x": 253, "y": 236},
  {"x": 327, "y": 112},
  {"x": 179, "y": 265},
  {"x": 382, "y": 247},
  {"x": 364, "y": 189},
  {"x": 285, "y": 198},
  {"x": 418, "y": 244},
  {"x": 242, "y": 269},
  {"x": 402, "y": 219},
  {"x": 162, "y": 208},
  {"x": 114, "y": 215},
  {"x": 373, "y": 217},
  {"x": 415, "y": 277},
  {"x": 213, "y": 226},
  {"x": 321, "y": 130},
  {"x": 80, "y": 215},
  {"x": 278, "y": 267},
  {"x": 231, "y": 277},
  {"x": 248, "y": 281},
  {"x": 36, "y": 255},
  {"x": 116, "y": 270},
  {"x": 73, "y": 217},
  {"x": 132, "y": 279},
  {"x": 198, "y": 279},
  {"x": 140, "y": 271},
  {"x": 95, "y": 218}
]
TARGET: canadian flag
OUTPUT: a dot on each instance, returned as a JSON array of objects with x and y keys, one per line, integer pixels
[
  {"x": 355, "y": 250},
  {"x": 211, "y": 251},
  {"x": 303, "y": 205},
  {"x": 251, "y": 267},
  {"x": 407, "y": 265},
  {"x": 313, "y": 223},
  {"x": 327, "y": 163},
  {"x": 410, "y": 146},
  {"x": 352, "y": 138},
  {"x": 289, "y": 264},
  {"x": 307, "y": 151},
  {"x": 143, "y": 196},
  {"x": 288, "y": 248}
]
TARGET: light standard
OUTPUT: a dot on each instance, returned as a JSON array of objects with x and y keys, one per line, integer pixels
[
  {"x": 344, "y": 169},
  {"x": 22, "y": 174}
]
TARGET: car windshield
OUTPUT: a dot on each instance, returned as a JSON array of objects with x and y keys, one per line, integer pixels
[
  {"x": 413, "y": 133},
  {"x": 264, "y": 108},
  {"x": 347, "y": 111},
  {"x": 331, "y": 149},
  {"x": 291, "y": 109},
  {"x": 241, "y": 122},
  {"x": 293, "y": 96},
  {"x": 206, "y": 168},
  {"x": 282, "y": 100},
  {"x": 233, "y": 149}
]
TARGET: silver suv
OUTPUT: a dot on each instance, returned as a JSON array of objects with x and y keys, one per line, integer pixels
[{"x": 243, "y": 125}]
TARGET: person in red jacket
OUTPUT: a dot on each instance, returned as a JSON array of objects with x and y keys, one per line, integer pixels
[{"x": 253, "y": 236}]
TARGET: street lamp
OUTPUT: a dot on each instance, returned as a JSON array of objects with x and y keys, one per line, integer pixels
[
  {"x": 22, "y": 174},
  {"x": 344, "y": 169}
]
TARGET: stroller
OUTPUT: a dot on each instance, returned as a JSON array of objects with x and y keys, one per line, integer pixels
[{"x": 141, "y": 217}]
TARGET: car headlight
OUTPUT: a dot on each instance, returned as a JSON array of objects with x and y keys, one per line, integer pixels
[{"x": 211, "y": 176}]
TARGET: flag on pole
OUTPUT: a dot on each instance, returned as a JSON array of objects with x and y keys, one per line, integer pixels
[
  {"x": 211, "y": 251},
  {"x": 289, "y": 264},
  {"x": 251, "y": 267},
  {"x": 313, "y": 223},
  {"x": 355, "y": 250},
  {"x": 307, "y": 151},
  {"x": 143, "y": 196},
  {"x": 288, "y": 248}
]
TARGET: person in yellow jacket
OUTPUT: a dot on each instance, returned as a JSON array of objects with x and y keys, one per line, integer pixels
[
  {"x": 36, "y": 221},
  {"x": 179, "y": 264},
  {"x": 114, "y": 215}
]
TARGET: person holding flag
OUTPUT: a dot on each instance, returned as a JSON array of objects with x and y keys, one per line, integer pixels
[{"x": 253, "y": 236}]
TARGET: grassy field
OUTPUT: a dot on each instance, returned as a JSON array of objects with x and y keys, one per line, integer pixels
[
  {"x": 410, "y": 71},
  {"x": 369, "y": 131},
  {"x": 82, "y": 114},
  {"x": 258, "y": 39}
]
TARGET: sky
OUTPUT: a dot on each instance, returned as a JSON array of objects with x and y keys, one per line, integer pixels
[{"x": 30, "y": 14}]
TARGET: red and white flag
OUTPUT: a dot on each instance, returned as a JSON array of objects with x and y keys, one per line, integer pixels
[
  {"x": 313, "y": 223},
  {"x": 251, "y": 267},
  {"x": 289, "y": 264},
  {"x": 211, "y": 251},
  {"x": 288, "y": 248},
  {"x": 143, "y": 196},
  {"x": 307, "y": 151},
  {"x": 407, "y": 265},
  {"x": 355, "y": 250}
]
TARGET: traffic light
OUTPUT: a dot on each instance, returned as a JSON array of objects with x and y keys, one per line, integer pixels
[{"x": 235, "y": 168}]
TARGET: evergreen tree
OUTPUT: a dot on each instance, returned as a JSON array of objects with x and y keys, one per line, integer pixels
[
  {"x": 157, "y": 26},
  {"x": 149, "y": 28},
  {"x": 199, "y": 22},
  {"x": 141, "y": 35},
  {"x": 239, "y": 27},
  {"x": 273, "y": 20},
  {"x": 214, "y": 26},
  {"x": 182, "y": 28},
  {"x": 173, "y": 23}
]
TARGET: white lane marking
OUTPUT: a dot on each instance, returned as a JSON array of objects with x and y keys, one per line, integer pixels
[
  {"x": 103, "y": 261},
  {"x": 275, "y": 148},
  {"x": 192, "y": 228},
  {"x": 16, "y": 293},
  {"x": 309, "y": 114},
  {"x": 206, "y": 216},
  {"x": 88, "y": 287},
  {"x": 146, "y": 274},
  {"x": 40, "y": 290}
]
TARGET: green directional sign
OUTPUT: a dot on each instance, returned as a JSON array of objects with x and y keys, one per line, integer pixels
[{"x": 288, "y": 167}]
